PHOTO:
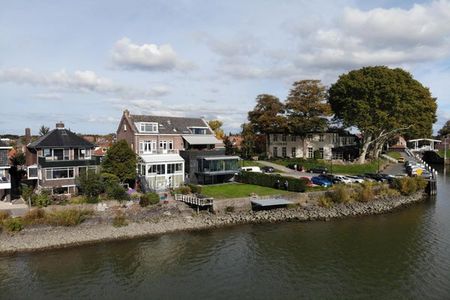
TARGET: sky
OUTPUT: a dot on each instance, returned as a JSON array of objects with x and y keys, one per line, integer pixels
[{"x": 84, "y": 62}]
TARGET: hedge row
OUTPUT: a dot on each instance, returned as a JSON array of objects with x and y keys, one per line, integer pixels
[{"x": 273, "y": 181}]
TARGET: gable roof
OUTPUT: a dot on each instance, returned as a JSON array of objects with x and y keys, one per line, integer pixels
[
  {"x": 63, "y": 138},
  {"x": 171, "y": 125}
]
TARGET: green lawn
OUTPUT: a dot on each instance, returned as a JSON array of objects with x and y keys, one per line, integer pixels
[
  {"x": 441, "y": 153},
  {"x": 238, "y": 190},
  {"x": 350, "y": 169},
  {"x": 394, "y": 154}
]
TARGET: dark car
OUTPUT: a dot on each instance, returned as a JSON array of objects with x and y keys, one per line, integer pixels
[
  {"x": 318, "y": 170},
  {"x": 267, "y": 169},
  {"x": 322, "y": 181},
  {"x": 376, "y": 177}
]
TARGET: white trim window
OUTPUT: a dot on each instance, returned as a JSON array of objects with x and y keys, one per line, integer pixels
[
  {"x": 310, "y": 152},
  {"x": 199, "y": 130},
  {"x": 59, "y": 173},
  {"x": 166, "y": 145},
  {"x": 159, "y": 169},
  {"x": 174, "y": 168},
  {"x": 147, "y": 146},
  {"x": 148, "y": 127}
]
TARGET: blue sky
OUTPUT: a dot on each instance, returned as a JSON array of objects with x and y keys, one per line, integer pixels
[{"x": 83, "y": 62}]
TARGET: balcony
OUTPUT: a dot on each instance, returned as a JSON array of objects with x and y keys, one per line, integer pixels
[
  {"x": 5, "y": 182},
  {"x": 50, "y": 163},
  {"x": 160, "y": 151}
]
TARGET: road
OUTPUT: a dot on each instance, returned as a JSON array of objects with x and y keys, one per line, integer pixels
[{"x": 286, "y": 171}]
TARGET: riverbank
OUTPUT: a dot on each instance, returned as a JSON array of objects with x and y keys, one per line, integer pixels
[{"x": 177, "y": 217}]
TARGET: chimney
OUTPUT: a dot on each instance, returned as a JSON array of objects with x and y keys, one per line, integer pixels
[
  {"x": 27, "y": 136},
  {"x": 126, "y": 113},
  {"x": 60, "y": 125}
]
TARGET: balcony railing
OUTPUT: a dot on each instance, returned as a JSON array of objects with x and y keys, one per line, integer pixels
[
  {"x": 43, "y": 162},
  {"x": 160, "y": 151}
]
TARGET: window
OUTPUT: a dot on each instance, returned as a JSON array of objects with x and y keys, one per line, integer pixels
[
  {"x": 335, "y": 138},
  {"x": 294, "y": 152},
  {"x": 275, "y": 137},
  {"x": 198, "y": 130},
  {"x": 157, "y": 169},
  {"x": 166, "y": 145},
  {"x": 321, "y": 138},
  {"x": 344, "y": 141},
  {"x": 47, "y": 152},
  {"x": 310, "y": 152},
  {"x": 293, "y": 138},
  {"x": 320, "y": 152},
  {"x": 124, "y": 127},
  {"x": 283, "y": 152},
  {"x": 147, "y": 146},
  {"x": 275, "y": 151},
  {"x": 283, "y": 138},
  {"x": 85, "y": 153},
  {"x": 174, "y": 168},
  {"x": 59, "y": 173},
  {"x": 148, "y": 127},
  {"x": 58, "y": 154},
  {"x": 309, "y": 137}
]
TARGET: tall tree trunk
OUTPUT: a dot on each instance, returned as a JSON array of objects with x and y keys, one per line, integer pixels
[{"x": 366, "y": 143}]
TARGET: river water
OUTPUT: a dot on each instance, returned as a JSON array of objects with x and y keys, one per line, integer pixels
[{"x": 405, "y": 254}]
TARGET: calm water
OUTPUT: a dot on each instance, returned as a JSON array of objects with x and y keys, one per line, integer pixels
[{"x": 400, "y": 255}]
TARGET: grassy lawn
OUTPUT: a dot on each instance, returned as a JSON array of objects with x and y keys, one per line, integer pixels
[
  {"x": 238, "y": 190},
  {"x": 394, "y": 154},
  {"x": 350, "y": 169}
]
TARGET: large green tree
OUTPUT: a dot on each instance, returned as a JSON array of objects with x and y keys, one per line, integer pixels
[
  {"x": 307, "y": 108},
  {"x": 382, "y": 102},
  {"x": 445, "y": 130},
  {"x": 268, "y": 115},
  {"x": 121, "y": 161}
]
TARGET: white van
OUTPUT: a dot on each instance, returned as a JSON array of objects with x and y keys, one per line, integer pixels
[{"x": 251, "y": 169}]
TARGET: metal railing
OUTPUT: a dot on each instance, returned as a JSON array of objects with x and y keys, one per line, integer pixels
[{"x": 190, "y": 199}]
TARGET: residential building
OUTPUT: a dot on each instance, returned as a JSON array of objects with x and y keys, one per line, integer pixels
[
  {"x": 160, "y": 140},
  {"x": 57, "y": 158},
  {"x": 5, "y": 178},
  {"x": 332, "y": 144}
]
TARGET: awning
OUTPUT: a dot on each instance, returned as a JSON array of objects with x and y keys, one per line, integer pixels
[
  {"x": 161, "y": 158},
  {"x": 201, "y": 139},
  {"x": 223, "y": 157}
]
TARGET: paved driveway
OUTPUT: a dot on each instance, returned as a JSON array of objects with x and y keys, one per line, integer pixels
[{"x": 286, "y": 171}]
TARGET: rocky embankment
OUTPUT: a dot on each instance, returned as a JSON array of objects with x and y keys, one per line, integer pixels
[{"x": 41, "y": 238}]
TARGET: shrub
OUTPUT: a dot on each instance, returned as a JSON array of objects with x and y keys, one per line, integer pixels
[
  {"x": 325, "y": 201},
  {"x": 26, "y": 192},
  {"x": 35, "y": 216},
  {"x": 135, "y": 196},
  {"x": 365, "y": 193},
  {"x": 13, "y": 224},
  {"x": 273, "y": 181},
  {"x": 149, "y": 198},
  {"x": 120, "y": 220},
  {"x": 183, "y": 190},
  {"x": 68, "y": 217},
  {"x": 117, "y": 192},
  {"x": 340, "y": 194},
  {"x": 195, "y": 189},
  {"x": 409, "y": 185},
  {"x": 41, "y": 200},
  {"x": 109, "y": 179},
  {"x": 3, "y": 216},
  {"x": 90, "y": 184}
]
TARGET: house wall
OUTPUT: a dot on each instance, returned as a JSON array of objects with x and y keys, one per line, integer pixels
[
  {"x": 176, "y": 138},
  {"x": 191, "y": 161},
  {"x": 128, "y": 134},
  {"x": 4, "y": 161}
]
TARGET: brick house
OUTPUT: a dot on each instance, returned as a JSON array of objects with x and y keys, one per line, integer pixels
[
  {"x": 57, "y": 158},
  {"x": 332, "y": 144},
  {"x": 5, "y": 178},
  {"x": 166, "y": 147}
]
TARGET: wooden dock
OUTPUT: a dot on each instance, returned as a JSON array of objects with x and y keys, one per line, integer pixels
[{"x": 195, "y": 201}]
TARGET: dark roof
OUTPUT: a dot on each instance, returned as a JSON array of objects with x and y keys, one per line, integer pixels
[
  {"x": 171, "y": 125},
  {"x": 60, "y": 138}
]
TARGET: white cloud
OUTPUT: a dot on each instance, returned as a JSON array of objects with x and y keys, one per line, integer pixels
[
  {"x": 78, "y": 81},
  {"x": 148, "y": 57}
]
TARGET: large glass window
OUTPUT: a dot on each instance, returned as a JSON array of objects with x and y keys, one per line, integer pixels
[
  {"x": 159, "y": 169},
  {"x": 220, "y": 165},
  {"x": 149, "y": 127},
  {"x": 59, "y": 173},
  {"x": 174, "y": 168},
  {"x": 147, "y": 146}
]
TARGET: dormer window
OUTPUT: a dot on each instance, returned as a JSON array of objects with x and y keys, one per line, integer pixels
[
  {"x": 147, "y": 127},
  {"x": 198, "y": 130}
]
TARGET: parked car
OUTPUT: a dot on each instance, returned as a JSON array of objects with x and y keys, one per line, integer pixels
[
  {"x": 374, "y": 177},
  {"x": 401, "y": 159},
  {"x": 342, "y": 179},
  {"x": 295, "y": 167},
  {"x": 318, "y": 170},
  {"x": 322, "y": 181},
  {"x": 267, "y": 169},
  {"x": 356, "y": 179},
  {"x": 251, "y": 169}
]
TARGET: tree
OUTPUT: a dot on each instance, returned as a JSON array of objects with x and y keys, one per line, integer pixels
[
  {"x": 121, "y": 161},
  {"x": 445, "y": 130},
  {"x": 268, "y": 115},
  {"x": 382, "y": 102},
  {"x": 306, "y": 107},
  {"x": 229, "y": 149},
  {"x": 43, "y": 130},
  {"x": 248, "y": 140},
  {"x": 216, "y": 127}
]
